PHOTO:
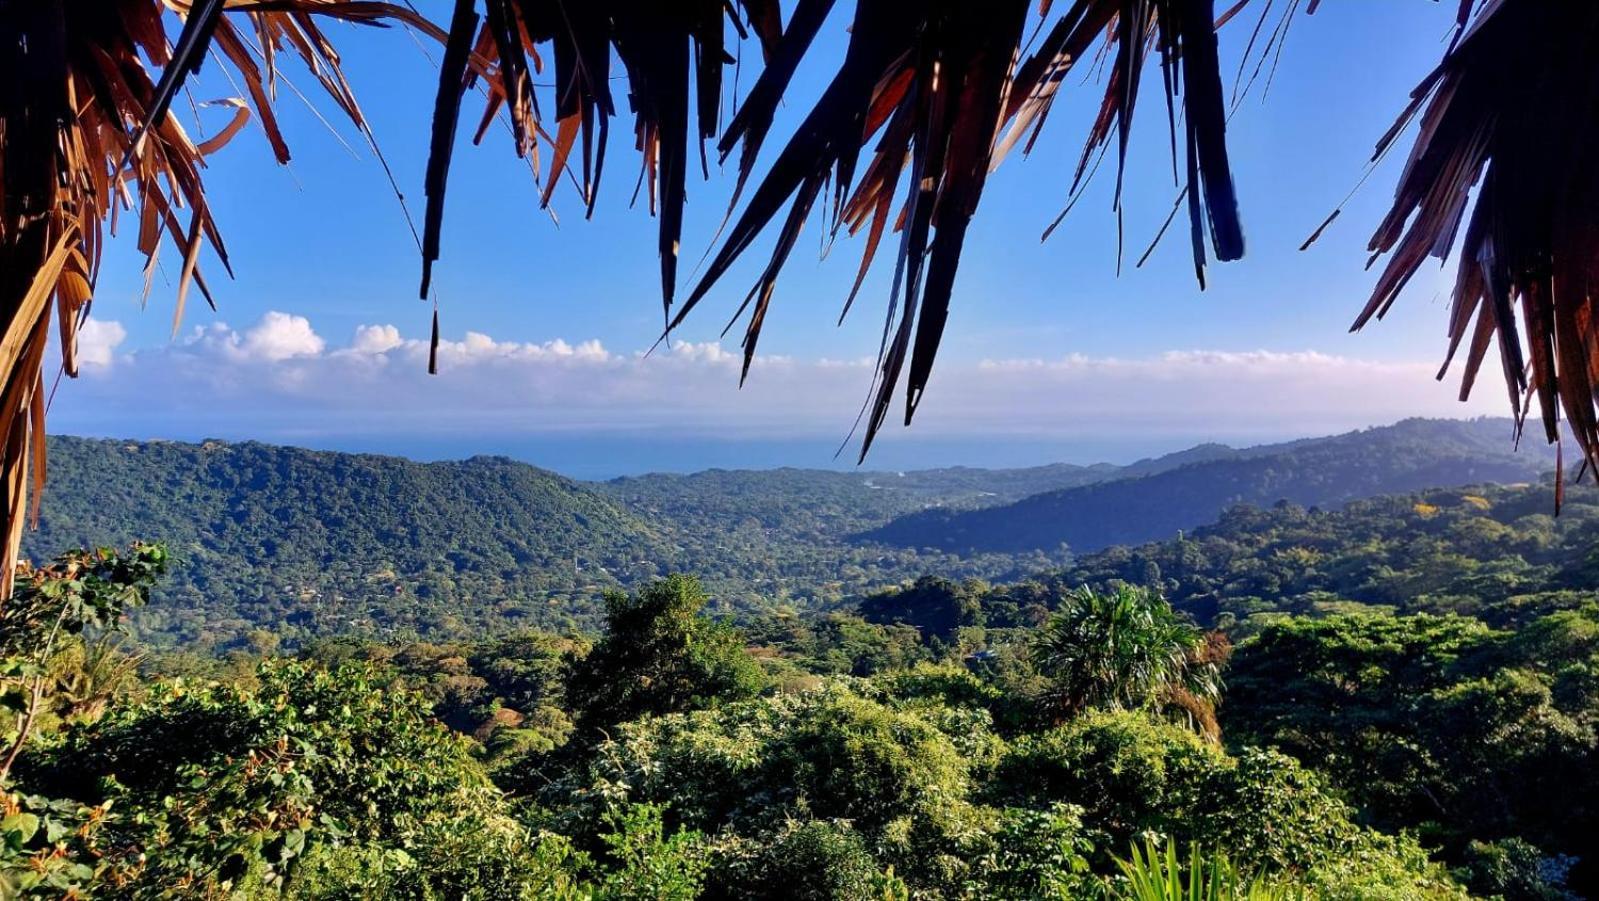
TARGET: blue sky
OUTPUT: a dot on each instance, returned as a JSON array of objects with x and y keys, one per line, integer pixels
[{"x": 1049, "y": 354}]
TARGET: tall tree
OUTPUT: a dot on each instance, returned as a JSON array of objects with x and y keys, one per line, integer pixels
[{"x": 660, "y": 656}]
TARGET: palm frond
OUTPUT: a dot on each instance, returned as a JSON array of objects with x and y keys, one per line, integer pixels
[
  {"x": 1512, "y": 115},
  {"x": 1504, "y": 127},
  {"x": 673, "y": 55},
  {"x": 934, "y": 84},
  {"x": 86, "y": 139}
]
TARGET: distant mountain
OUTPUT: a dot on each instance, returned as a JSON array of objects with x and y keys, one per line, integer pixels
[
  {"x": 822, "y": 502},
  {"x": 1199, "y": 453},
  {"x": 1412, "y": 455},
  {"x": 992, "y": 485}
]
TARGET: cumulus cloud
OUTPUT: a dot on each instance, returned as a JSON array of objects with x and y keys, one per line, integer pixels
[
  {"x": 280, "y": 336},
  {"x": 703, "y": 352},
  {"x": 98, "y": 341},
  {"x": 279, "y": 379},
  {"x": 477, "y": 347},
  {"x": 375, "y": 339}
]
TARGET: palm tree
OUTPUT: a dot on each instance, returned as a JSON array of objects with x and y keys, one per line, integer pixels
[
  {"x": 940, "y": 90},
  {"x": 1125, "y": 650}
]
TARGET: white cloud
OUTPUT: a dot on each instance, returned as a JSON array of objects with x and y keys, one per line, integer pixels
[
  {"x": 98, "y": 340},
  {"x": 477, "y": 347},
  {"x": 280, "y": 336},
  {"x": 279, "y": 379},
  {"x": 375, "y": 339},
  {"x": 703, "y": 352}
]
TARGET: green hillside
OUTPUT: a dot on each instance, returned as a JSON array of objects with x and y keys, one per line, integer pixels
[
  {"x": 1497, "y": 553},
  {"x": 307, "y": 543},
  {"x": 275, "y": 536}
]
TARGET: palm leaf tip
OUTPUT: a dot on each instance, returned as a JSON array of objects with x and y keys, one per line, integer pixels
[
  {"x": 1507, "y": 157},
  {"x": 673, "y": 55}
]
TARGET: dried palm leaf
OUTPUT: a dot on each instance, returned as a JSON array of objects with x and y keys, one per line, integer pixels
[
  {"x": 86, "y": 138},
  {"x": 673, "y": 55},
  {"x": 1510, "y": 115},
  {"x": 934, "y": 83}
]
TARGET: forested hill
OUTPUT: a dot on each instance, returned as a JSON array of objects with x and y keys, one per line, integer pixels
[
  {"x": 1496, "y": 553},
  {"x": 306, "y": 542},
  {"x": 1408, "y": 456},
  {"x": 812, "y": 504},
  {"x": 264, "y": 533}
]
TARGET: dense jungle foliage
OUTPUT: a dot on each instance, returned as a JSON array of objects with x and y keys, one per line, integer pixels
[
  {"x": 942, "y": 740},
  {"x": 308, "y": 543},
  {"x": 1393, "y": 698}
]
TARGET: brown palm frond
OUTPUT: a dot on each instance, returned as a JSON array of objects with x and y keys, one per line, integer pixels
[
  {"x": 86, "y": 140},
  {"x": 1512, "y": 114},
  {"x": 934, "y": 83},
  {"x": 1183, "y": 34}
]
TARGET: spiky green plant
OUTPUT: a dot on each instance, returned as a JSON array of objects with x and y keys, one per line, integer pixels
[
  {"x": 1159, "y": 873},
  {"x": 1125, "y": 649}
]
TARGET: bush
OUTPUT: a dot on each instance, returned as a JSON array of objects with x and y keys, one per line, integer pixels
[
  {"x": 1034, "y": 854},
  {"x": 470, "y": 859},
  {"x": 851, "y": 758},
  {"x": 1516, "y": 870},
  {"x": 1125, "y": 769},
  {"x": 660, "y": 656},
  {"x": 1135, "y": 776},
  {"x": 805, "y": 860},
  {"x": 225, "y": 786},
  {"x": 647, "y": 863}
]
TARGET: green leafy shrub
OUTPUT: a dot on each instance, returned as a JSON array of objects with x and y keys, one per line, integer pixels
[
  {"x": 468, "y": 859},
  {"x": 48, "y": 847},
  {"x": 1034, "y": 854},
  {"x": 1516, "y": 870},
  {"x": 850, "y": 758},
  {"x": 805, "y": 860},
  {"x": 647, "y": 863},
  {"x": 223, "y": 786},
  {"x": 1437, "y": 724},
  {"x": 1134, "y": 776}
]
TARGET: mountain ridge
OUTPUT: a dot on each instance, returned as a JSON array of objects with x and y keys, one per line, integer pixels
[{"x": 1413, "y": 454}]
